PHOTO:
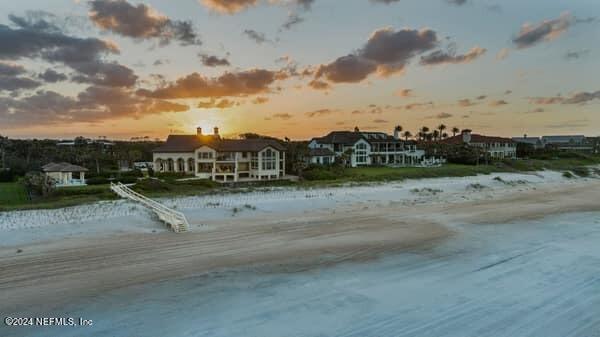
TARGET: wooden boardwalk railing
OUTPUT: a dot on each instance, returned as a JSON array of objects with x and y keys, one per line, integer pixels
[{"x": 174, "y": 219}]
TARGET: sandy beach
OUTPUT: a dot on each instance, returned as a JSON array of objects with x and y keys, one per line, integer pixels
[{"x": 81, "y": 256}]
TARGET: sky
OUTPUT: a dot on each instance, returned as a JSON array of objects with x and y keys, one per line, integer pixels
[{"x": 297, "y": 68}]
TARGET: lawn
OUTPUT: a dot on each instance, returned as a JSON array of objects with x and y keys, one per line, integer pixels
[{"x": 12, "y": 194}]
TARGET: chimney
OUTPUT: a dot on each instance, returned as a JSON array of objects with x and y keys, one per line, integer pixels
[
  {"x": 216, "y": 131},
  {"x": 396, "y": 133},
  {"x": 466, "y": 136},
  {"x": 199, "y": 131}
]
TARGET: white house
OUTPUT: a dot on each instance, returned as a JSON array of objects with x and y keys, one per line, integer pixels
[
  {"x": 222, "y": 160},
  {"x": 365, "y": 148},
  {"x": 65, "y": 174},
  {"x": 497, "y": 147}
]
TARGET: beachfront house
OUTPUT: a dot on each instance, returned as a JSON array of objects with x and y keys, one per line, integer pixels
[
  {"x": 496, "y": 147},
  {"x": 578, "y": 143},
  {"x": 221, "y": 160},
  {"x": 356, "y": 148},
  {"x": 65, "y": 174}
]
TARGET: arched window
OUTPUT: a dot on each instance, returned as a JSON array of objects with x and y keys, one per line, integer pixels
[
  {"x": 191, "y": 164},
  {"x": 170, "y": 165},
  {"x": 180, "y": 165}
]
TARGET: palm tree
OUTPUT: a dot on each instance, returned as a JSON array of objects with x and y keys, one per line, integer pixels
[
  {"x": 455, "y": 130},
  {"x": 424, "y": 132},
  {"x": 436, "y": 134},
  {"x": 407, "y": 135},
  {"x": 441, "y": 127}
]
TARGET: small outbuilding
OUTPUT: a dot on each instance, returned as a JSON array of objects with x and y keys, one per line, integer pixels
[{"x": 65, "y": 174}]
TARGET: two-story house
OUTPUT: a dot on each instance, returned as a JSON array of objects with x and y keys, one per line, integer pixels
[
  {"x": 222, "y": 160},
  {"x": 496, "y": 147},
  {"x": 356, "y": 148}
]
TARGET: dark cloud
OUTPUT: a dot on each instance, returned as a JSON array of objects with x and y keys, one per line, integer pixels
[
  {"x": 10, "y": 69},
  {"x": 255, "y": 36},
  {"x": 319, "y": 85},
  {"x": 444, "y": 57},
  {"x": 457, "y": 2},
  {"x": 292, "y": 20},
  {"x": 140, "y": 22},
  {"x": 466, "y": 102},
  {"x": 547, "y": 30},
  {"x": 232, "y": 84},
  {"x": 546, "y": 100},
  {"x": 52, "y": 76},
  {"x": 96, "y": 103},
  {"x": 577, "y": 54},
  {"x": 213, "y": 61},
  {"x": 13, "y": 83},
  {"x": 84, "y": 55},
  {"x": 386, "y": 52}
]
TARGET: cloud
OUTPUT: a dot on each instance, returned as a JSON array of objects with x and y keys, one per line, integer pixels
[
  {"x": 380, "y": 121},
  {"x": 442, "y": 115},
  {"x": 387, "y": 51},
  {"x": 260, "y": 100},
  {"x": 465, "y": 102},
  {"x": 319, "y": 112},
  {"x": 503, "y": 54},
  {"x": 457, "y": 2},
  {"x": 498, "y": 103},
  {"x": 213, "y": 61},
  {"x": 547, "y": 30},
  {"x": 414, "y": 106},
  {"x": 292, "y": 20},
  {"x": 96, "y": 103},
  {"x": 9, "y": 80},
  {"x": 576, "y": 98},
  {"x": 213, "y": 103},
  {"x": 255, "y": 36},
  {"x": 305, "y": 4},
  {"x": 404, "y": 93},
  {"x": 140, "y": 22},
  {"x": 229, "y": 6},
  {"x": 443, "y": 57},
  {"x": 52, "y": 76},
  {"x": 284, "y": 116},
  {"x": 319, "y": 85},
  {"x": 232, "y": 84},
  {"x": 482, "y": 97},
  {"x": 84, "y": 55},
  {"x": 577, "y": 54}
]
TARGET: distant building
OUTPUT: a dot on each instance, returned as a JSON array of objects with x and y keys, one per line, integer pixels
[
  {"x": 65, "y": 174},
  {"x": 569, "y": 143},
  {"x": 534, "y": 142},
  {"x": 496, "y": 147},
  {"x": 222, "y": 160},
  {"x": 358, "y": 148}
]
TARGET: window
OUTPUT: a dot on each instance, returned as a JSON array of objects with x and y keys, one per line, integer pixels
[
  {"x": 254, "y": 161},
  {"x": 269, "y": 160},
  {"x": 361, "y": 153},
  {"x": 205, "y": 155}
]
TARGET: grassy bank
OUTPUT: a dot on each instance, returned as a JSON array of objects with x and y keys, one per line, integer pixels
[{"x": 13, "y": 195}]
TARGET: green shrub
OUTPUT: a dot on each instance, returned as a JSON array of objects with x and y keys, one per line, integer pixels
[
  {"x": 199, "y": 183},
  {"x": 152, "y": 185},
  {"x": 7, "y": 176},
  {"x": 582, "y": 171},
  {"x": 97, "y": 181}
]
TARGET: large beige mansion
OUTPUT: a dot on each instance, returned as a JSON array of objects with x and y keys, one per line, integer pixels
[{"x": 223, "y": 160}]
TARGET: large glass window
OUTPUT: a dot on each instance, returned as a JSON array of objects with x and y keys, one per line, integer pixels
[
  {"x": 205, "y": 155},
  {"x": 361, "y": 153},
  {"x": 269, "y": 160},
  {"x": 254, "y": 161}
]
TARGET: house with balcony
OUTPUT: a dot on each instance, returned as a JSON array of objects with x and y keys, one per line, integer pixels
[
  {"x": 356, "y": 148},
  {"x": 496, "y": 147},
  {"x": 221, "y": 160}
]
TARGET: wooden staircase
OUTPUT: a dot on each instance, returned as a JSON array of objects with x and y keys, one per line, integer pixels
[{"x": 174, "y": 219}]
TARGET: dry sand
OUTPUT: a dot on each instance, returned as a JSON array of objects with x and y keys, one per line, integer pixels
[{"x": 51, "y": 274}]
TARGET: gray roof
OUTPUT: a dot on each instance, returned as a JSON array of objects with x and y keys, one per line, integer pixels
[
  {"x": 189, "y": 143},
  {"x": 341, "y": 137},
  {"x": 528, "y": 140},
  {"x": 320, "y": 152},
  {"x": 63, "y": 167},
  {"x": 563, "y": 139}
]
